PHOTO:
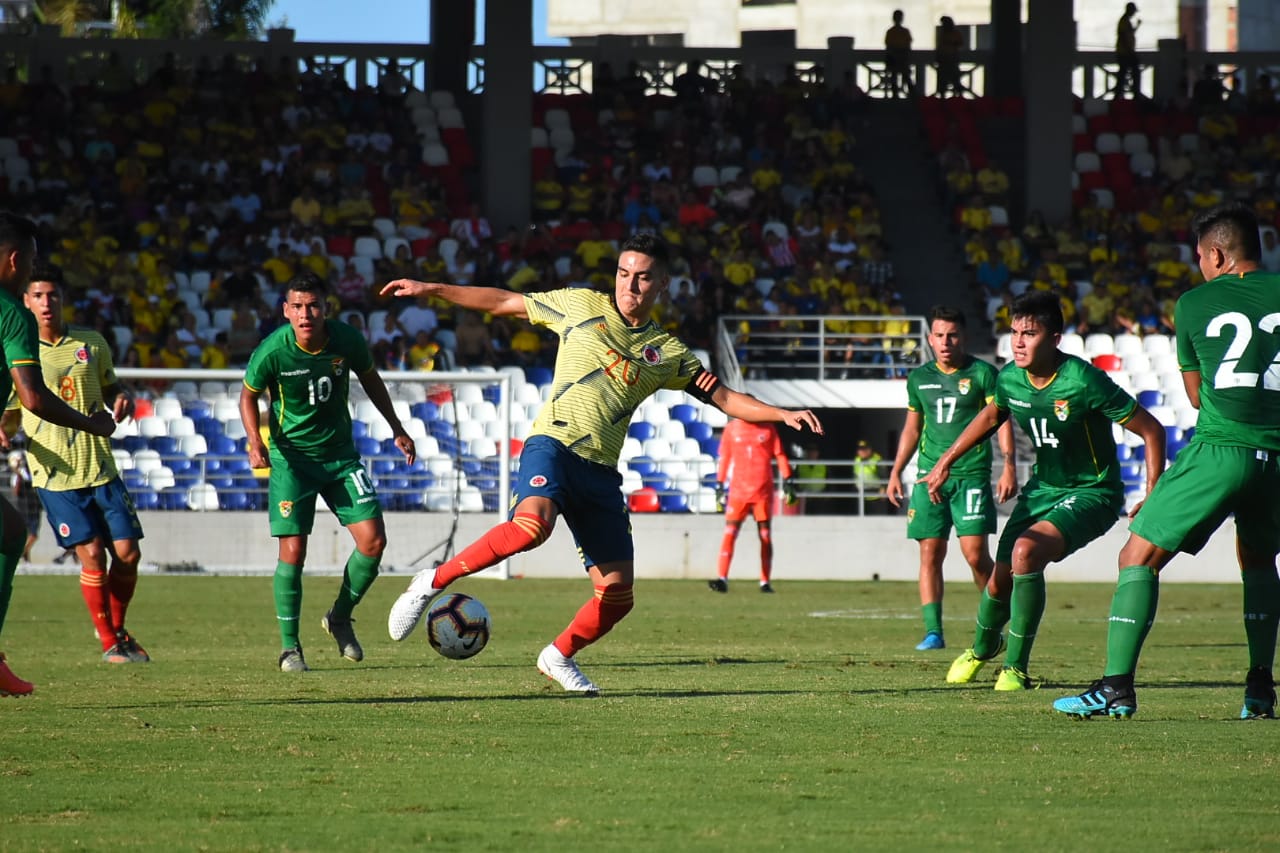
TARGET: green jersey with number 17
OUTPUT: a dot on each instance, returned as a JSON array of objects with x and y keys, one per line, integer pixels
[
  {"x": 309, "y": 418},
  {"x": 1069, "y": 422},
  {"x": 1229, "y": 330},
  {"x": 947, "y": 402}
]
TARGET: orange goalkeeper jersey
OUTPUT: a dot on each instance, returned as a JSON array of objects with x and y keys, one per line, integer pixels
[{"x": 746, "y": 450}]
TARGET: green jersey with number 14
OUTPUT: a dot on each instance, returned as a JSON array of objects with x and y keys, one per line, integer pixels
[
  {"x": 309, "y": 416},
  {"x": 947, "y": 402},
  {"x": 1069, "y": 422},
  {"x": 1229, "y": 330}
]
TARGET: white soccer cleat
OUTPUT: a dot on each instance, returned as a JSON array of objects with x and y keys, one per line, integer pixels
[
  {"x": 410, "y": 606},
  {"x": 564, "y": 671}
]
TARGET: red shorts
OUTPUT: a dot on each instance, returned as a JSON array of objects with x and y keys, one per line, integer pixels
[{"x": 760, "y": 507}]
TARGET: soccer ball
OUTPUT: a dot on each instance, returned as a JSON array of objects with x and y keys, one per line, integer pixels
[{"x": 458, "y": 626}]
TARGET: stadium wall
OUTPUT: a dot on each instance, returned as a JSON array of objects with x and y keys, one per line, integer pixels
[{"x": 667, "y": 546}]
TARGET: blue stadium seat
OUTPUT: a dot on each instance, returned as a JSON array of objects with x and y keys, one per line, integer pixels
[
  {"x": 359, "y": 429},
  {"x": 144, "y": 497},
  {"x": 221, "y": 481},
  {"x": 389, "y": 448},
  {"x": 1131, "y": 472},
  {"x": 643, "y": 465},
  {"x": 538, "y": 375},
  {"x": 711, "y": 447},
  {"x": 709, "y": 480},
  {"x": 674, "y": 502},
  {"x": 134, "y": 480},
  {"x": 698, "y": 431},
  {"x": 426, "y": 411},
  {"x": 197, "y": 409},
  {"x": 642, "y": 430},
  {"x": 657, "y": 481},
  {"x": 368, "y": 446},
  {"x": 209, "y": 427},
  {"x": 492, "y": 393},
  {"x": 440, "y": 430},
  {"x": 1150, "y": 398},
  {"x": 174, "y": 498},
  {"x": 165, "y": 445},
  {"x": 233, "y": 500},
  {"x": 382, "y": 466},
  {"x": 684, "y": 413},
  {"x": 221, "y": 445},
  {"x": 133, "y": 443}
]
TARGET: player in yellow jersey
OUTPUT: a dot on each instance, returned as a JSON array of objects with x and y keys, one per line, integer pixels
[
  {"x": 75, "y": 474},
  {"x": 612, "y": 357},
  {"x": 20, "y": 343}
]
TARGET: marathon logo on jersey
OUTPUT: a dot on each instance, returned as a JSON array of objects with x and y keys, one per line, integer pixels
[
  {"x": 651, "y": 355},
  {"x": 1061, "y": 409},
  {"x": 286, "y": 508},
  {"x": 537, "y": 481},
  {"x": 64, "y": 529},
  {"x": 82, "y": 355},
  {"x": 965, "y": 385},
  {"x": 337, "y": 366}
]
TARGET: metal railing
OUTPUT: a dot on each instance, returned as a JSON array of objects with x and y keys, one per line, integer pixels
[{"x": 825, "y": 347}]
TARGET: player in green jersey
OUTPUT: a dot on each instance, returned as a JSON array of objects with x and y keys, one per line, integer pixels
[
  {"x": 612, "y": 357},
  {"x": 943, "y": 396},
  {"x": 74, "y": 473},
  {"x": 1228, "y": 339},
  {"x": 306, "y": 367},
  {"x": 20, "y": 342},
  {"x": 1066, "y": 406}
]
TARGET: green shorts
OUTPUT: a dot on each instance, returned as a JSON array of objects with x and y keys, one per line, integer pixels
[
  {"x": 1080, "y": 516},
  {"x": 1203, "y": 486},
  {"x": 343, "y": 483},
  {"x": 967, "y": 504}
]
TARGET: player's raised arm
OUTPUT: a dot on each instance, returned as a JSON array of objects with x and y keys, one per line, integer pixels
[
  {"x": 907, "y": 444},
  {"x": 377, "y": 391},
  {"x": 979, "y": 429},
  {"x": 735, "y": 404},
  {"x": 492, "y": 300},
  {"x": 40, "y": 401}
]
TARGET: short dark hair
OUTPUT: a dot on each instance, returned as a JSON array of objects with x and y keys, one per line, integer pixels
[
  {"x": 307, "y": 282},
  {"x": 947, "y": 314},
  {"x": 15, "y": 230},
  {"x": 652, "y": 245},
  {"x": 42, "y": 270},
  {"x": 1043, "y": 307},
  {"x": 1234, "y": 227}
]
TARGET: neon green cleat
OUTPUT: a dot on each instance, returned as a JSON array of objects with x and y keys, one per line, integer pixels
[
  {"x": 966, "y": 667},
  {"x": 1011, "y": 678}
]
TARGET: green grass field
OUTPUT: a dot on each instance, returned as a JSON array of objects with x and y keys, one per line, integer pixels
[{"x": 737, "y": 722}]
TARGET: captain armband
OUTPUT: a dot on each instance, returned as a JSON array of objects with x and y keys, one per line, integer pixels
[{"x": 703, "y": 385}]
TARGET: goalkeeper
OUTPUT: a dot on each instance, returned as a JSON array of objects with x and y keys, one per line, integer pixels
[{"x": 747, "y": 454}]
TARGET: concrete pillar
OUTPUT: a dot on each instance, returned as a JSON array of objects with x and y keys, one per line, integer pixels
[
  {"x": 1049, "y": 57},
  {"x": 839, "y": 60},
  {"x": 453, "y": 32},
  {"x": 1170, "y": 70},
  {"x": 508, "y": 113},
  {"x": 1004, "y": 68}
]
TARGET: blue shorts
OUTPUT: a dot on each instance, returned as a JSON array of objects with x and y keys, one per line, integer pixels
[
  {"x": 588, "y": 494},
  {"x": 79, "y": 515}
]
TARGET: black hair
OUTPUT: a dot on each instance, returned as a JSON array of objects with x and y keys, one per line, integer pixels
[
  {"x": 307, "y": 282},
  {"x": 1043, "y": 307},
  {"x": 947, "y": 314},
  {"x": 1232, "y": 226},
  {"x": 15, "y": 231},
  {"x": 42, "y": 270},
  {"x": 652, "y": 245}
]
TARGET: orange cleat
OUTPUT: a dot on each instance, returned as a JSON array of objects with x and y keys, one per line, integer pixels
[{"x": 10, "y": 684}]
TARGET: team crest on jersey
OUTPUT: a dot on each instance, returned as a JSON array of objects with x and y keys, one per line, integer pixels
[
  {"x": 64, "y": 529},
  {"x": 651, "y": 355},
  {"x": 82, "y": 355},
  {"x": 337, "y": 366},
  {"x": 286, "y": 509},
  {"x": 911, "y": 513},
  {"x": 537, "y": 481},
  {"x": 964, "y": 385},
  {"x": 1061, "y": 409}
]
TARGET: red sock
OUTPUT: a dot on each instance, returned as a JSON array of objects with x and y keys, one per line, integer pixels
[
  {"x": 93, "y": 586},
  {"x": 766, "y": 554},
  {"x": 726, "y": 549},
  {"x": 121, "y": 582},
  {"x": 521, "y": 533},
  {"x": 596, "y": 618}
]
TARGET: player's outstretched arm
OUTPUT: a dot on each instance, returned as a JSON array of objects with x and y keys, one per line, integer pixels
[
  {"x": 253, "y": 427},
  {"x": 979, "y": 429},
  {"x": 907, "y": 443},
  {"x": 1153, "y": 436},
  {"x": 44, "y": 404},
  {"x": 377, "y": 391},
  {"x": 119, "y": 400},
  {"x": 491, "y": 300},
  {"x": 1007, "y": 485},
  {"x": 735, "y": 404}
]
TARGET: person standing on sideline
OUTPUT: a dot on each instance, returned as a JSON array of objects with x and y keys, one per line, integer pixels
[
  {"x": 1066, "y": 406},
  {"x": 810, "y": 479},
  {"x": 747, "y": 454},
  {"x": 74, "y": 473},
  {"x": 306, "y": 367},
  {"x": 21, "y": 343},
  {"x": 612, "y": 357},
  {"x": 1127, "y": 68},
  {"x": 943, "y": 396},
  {"x": 867, "y": 480},
  {"x": 1227, "y": 340}
]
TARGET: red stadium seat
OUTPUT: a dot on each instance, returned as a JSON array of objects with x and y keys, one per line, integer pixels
[
  {"x": 1109, "y": 362},
  {"x": 644, "y": 500}
]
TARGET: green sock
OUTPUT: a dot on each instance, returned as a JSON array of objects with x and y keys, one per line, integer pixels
[
  {"x": 1026, "y": 610},
  {"x": 8, "y": 568},
  {"x": 992, "y": 616},
  {"x": 287, "y": 586},
  {"x": 357, "y": 577},
  {"x": 1261, "y": 614},
  {"x": 1133, "y": 609},
  {"x": 932, "y": 613}
]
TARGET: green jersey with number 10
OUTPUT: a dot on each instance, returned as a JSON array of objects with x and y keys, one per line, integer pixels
[
  {"x": 309, "y": 416},
  {"x": 1229, "y": 330},
  {"x": 1069, "y": 422}
]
